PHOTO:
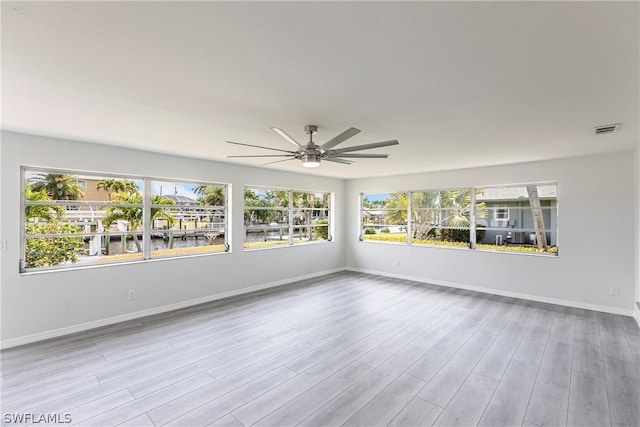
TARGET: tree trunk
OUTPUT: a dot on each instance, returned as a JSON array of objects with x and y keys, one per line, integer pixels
[
  {"x": 538, "y": 219},
  {"x": 137, "y": 242},
  {"x": 308, "y": 220}
]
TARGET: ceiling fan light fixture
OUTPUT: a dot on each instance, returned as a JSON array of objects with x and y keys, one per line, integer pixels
[
  {"x": 311, "y": 160},
  {"x": 312, "y": 154}
]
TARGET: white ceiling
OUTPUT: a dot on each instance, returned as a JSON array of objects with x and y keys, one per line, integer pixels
[{"x": 458, "y": 84}]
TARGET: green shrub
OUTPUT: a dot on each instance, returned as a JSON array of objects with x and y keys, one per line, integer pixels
[
  {"x": 322, "y": 232},
  {"x": 387, "y": 237},
  {"x": 455, "y": 235},
  {"x": 369, "y": 230},
  {"x": 480, "y": 233},
  {"x": 51, "y": 250},
  {"x": 385, "y": 230}
]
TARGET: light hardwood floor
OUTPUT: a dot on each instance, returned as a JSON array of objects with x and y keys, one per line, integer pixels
[{"x": 343, "y": 349}]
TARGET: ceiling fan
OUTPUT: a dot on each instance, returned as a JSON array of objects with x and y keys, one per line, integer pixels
[{"x": 312, "y": 154}]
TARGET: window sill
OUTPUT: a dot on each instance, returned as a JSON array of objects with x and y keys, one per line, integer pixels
[{"x": 45, "y": 270}]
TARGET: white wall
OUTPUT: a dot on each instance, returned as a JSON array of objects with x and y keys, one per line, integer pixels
[
  {"x": 39, "y": 305},
  {"x": 596, "y": 197},
  {"x": 637, "y": 233}
]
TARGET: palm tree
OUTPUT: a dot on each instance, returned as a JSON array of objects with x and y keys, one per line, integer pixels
[
  {"x": 431, "y": 211},
  {"x": 398, "y": 203},
  {"x": 133, "y": 215},
  {"x": 211, "y": 195},
  {"x": 538, "y": 219},
  {"x": 47, "y": 213},
  {"x": 117, "y": 186},
  {"x": 57, "y": 186}
]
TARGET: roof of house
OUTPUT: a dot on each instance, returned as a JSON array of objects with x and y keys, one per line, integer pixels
[
  {"x": 516, "y": 193},
  {"x": 182, "y": 200}
]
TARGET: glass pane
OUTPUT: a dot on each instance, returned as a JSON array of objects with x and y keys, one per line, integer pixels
[
  {"x": 266, "y": 220},
  {"x": 441, "y": 217},
  {"x": 266, "y": 198},
  {"x": 187, "y": 218},
  {"x": 384, "y": 217},
  {"x": 395, "y": 234},
  {"x": 310, "y": 210},
  {"x": 520, "y": 218},
  {"x": 261, "y": 217},
  {"x": 310, "y": 200},
  {"x": 266, "y": 235},
  {"x": 81, "y": 219},
  {"x": 315, "y": 232}
]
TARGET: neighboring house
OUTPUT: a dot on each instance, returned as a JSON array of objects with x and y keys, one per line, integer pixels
[
  {"x": 182, "y": 200},
  {"x": 508, "y": 210},
  {"x": 84, "y": 210},
  {"x": 373, "y": 217}
]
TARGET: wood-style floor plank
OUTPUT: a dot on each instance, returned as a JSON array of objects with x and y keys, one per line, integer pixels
[
  {"x": 343, "y": 349},
  {"x": 418, "y": 412},
  {"x": 382, "y": 409},
  {"x": 509, "y": 403},
  {"x": 469, "y": 402},
  {"x": 588, "y": 404}
]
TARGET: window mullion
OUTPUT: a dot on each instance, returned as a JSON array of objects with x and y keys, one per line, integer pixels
[
  {"x": 409, "y": 217},
  {"x": 23, "y": 220},
  {"x": 290, "y": 213},
  {"x": 472, "y": 219},
  {"x": 146, "y": 219}
]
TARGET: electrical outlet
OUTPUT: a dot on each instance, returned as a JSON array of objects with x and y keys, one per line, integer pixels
[
  {"x": 131, "y": 295},
  {"x": 397, "y": 263},
  {"x": 3, "y": 245},
  {"x": 614, "y": 291}
]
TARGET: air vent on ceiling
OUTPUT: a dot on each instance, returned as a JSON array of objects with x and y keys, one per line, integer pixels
[{"x": 601, "y": 130}]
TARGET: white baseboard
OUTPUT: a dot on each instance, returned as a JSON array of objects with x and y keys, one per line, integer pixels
[
  {"x": 41, "y": 336},
  {"x": 536, "y": 298},
  {"x": 14, "y": 342}
]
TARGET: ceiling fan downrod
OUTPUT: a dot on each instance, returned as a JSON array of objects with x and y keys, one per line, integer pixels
[{"x": 312, "y": 157}]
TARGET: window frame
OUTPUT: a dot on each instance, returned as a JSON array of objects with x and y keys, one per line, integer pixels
[
  {"x": 145, "y": 231},
  {"x": 498, "y": 214},
  {"x": 552, "y": 228},
  {"x": 289, "y": 211}
]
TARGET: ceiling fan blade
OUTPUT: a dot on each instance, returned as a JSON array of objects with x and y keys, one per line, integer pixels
[
  {"x": 362, "y": 156},
  {"x": 344, "y": 162},
  {"x": 340, "y": 138},
  {"x": 287, "y": 137},
  {"x": 367, "y": 146},
  {"x": 260, "y": 146},
  {"x": 277, "y": 161},
  {"x": 265, "y": 155}
]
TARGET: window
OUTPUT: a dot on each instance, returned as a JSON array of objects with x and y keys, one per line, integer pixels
[
  {"x": 514, "y": 218},
  {"x": 187, "y": 218},
  {"x": 501, "y": 214},
  {"x": 441, "y": 217},
  {"x": 72, "y": 219},
  {"x": 521, "y": 218},
  {"x": 384, "y": 217},
  {"x": 274, "y": 217}
]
